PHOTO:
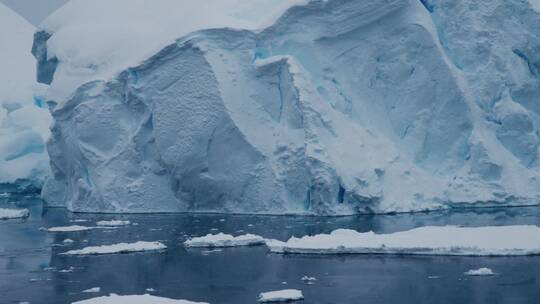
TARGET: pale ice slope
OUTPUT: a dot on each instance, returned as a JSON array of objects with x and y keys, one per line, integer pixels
[
  {"x": 24, "y": 119},
  {"x": 337, "y": 107}
]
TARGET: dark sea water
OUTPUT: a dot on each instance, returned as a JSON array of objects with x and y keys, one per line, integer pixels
[{"x": 238, "y": 275}]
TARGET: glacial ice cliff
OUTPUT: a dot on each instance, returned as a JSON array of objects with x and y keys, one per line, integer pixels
[
  {"x": 24, "y": 118},
  {"x": 292, "y": 107}
]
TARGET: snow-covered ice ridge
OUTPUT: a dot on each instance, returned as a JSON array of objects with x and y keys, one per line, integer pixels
[
  {"x": 225, "y": 240},
  {"x": 24, "y": 118},
  {"x": 429, "y": 240},
  {"x": 328, "y": 107}
]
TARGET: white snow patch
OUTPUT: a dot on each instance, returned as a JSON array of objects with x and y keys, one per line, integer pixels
[
  {"x": 284, "y": 295},
  {"x": 6, "y": 214},
  {"x": 224, "y": 240},
  {"x": 484, "y": 271},
  {"x": 134, "y": 299},
  {"x": 113, "y": 223},
  {"x": 139, "y": 246},
  {"x": 92, "y": 290},
  {"x": 429, "y": 240}
]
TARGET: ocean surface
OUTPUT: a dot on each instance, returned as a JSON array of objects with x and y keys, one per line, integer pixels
[{"x": 31, "y": 269}]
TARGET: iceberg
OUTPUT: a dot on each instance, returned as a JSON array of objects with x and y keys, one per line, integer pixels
[
  {"x": 7, "y": 214},
  {"x": 73, "y": 228},
  {"x": 113, "y": 223},
  {"x": 24, "y": 118},
  {"x": 134, "y": 299},
  {"x": 225, "y": 240},
  {"x": 484, "y": 271},
  {"x": 334, "y": 107},
  {"x": 139, "y": 246},
  {"x": 428, "y": 240},
  {"x": 285, "y": 295}
]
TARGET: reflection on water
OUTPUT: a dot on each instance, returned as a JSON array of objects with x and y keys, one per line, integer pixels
[{"x": 237, "y": 275}]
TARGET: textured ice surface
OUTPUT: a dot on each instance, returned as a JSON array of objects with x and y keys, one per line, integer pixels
[
  {"x": 336, "y": 107},
  {"x": 24, "y": 118},
  {"x": 6, "y": 214},
  {"x": 224, "y": 240},
  {"x": 139, "y": 246},
  {"x": 134, "y": 299},
  {"x": 429, "y": 240},
  {"x": 284, "y": 295}
]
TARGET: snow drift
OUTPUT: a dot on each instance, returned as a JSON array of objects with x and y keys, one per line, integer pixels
[
  {"x": 24, "y": 119},
  {"x": 292, "y": 107}
]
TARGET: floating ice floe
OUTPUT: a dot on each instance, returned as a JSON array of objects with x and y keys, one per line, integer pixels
[
  {"x": 113, "y": 223},
  {"x": 68, "y": 270},
  {"x": 92, "y": 290},
  {"x": 79, "y": 221},
  {"x": 484, "y": 271},
  {"x": 134, "y": 299},
  {"x": 139, "y": 246},
  {"x": 429, "y": 240},
  {"x": 224, "y": 240},
  {"x": 309, "y": 280},
  {"x": 68, "y": 241},
  {"x": 73, "y": 228},
  {"x": 6, "y": 214},
  {"x": 284, "y": 295}
]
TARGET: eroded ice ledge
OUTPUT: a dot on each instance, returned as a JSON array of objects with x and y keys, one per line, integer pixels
[{"x": 429, "y": 240}]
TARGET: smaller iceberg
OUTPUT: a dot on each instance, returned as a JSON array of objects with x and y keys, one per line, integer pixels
[
  {"x": 146, "y": 299},
  {"x": 225, "y": 240},
  {"x": 113, "y": 223},
  {"x": 73, "y": 228},
  {"x": 6, "y": 214},
  {"x": 480, "y": 272},
  {"x": 139, "y": 246},
  {"x": 285, "y": 295},
  {"x": 428, "y": 240}
]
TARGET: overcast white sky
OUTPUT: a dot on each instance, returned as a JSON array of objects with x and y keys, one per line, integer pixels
[{"x": 34, "y": 10}]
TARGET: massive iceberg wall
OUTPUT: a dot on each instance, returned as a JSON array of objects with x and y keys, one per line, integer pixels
[
  {"x": 24, "y": 119},
  {"x": 338, "y": 107}
]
